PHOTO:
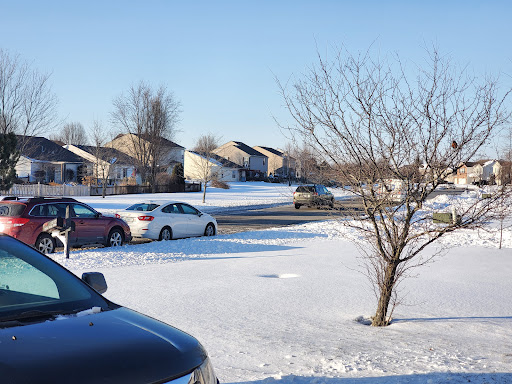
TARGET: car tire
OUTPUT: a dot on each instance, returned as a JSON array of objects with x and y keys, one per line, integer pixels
[
  {"x": 297, "y": 206},
  {"x": 115, "y": 238},
  {"x": 165, "y": 234},
  {"x": 209, "y": 230},
  {"x": 45, "y": 243},
  {"x": 331, "y": 204}
]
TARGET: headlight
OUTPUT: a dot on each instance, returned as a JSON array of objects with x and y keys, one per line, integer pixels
[{"x": 203, "y": 374}]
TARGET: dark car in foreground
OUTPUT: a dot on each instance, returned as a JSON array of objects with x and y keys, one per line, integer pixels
[
  {"x": 312, "y": 196},
  {"x": 24, "y": 219},
  {"x": 55, "y": 328}
]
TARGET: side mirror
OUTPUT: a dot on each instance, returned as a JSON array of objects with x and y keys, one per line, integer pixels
[
  {"x": 97, "y": 215},
  {"x": 95, "y": 280}
]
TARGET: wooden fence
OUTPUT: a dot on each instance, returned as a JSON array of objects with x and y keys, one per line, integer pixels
[
  {"x": 47, "y": 190},
  {"x": 137, "y": 189},
  {"x": 28, "y": 190}
]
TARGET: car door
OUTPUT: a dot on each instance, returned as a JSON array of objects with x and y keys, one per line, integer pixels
[
  {"x": 50, "y": 211},
  {"x": 195, "y": 225},
  {"x": 89, "y": 227},
  {"x": 172, "y": 216}
]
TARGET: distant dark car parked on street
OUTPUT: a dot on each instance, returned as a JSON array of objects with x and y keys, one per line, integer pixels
[
  {"x": 312, "y": 196},
  {"x": 55, "y": 328},
  {"x": 24, "y": 219}
]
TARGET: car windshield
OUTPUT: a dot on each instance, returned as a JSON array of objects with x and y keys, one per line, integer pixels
[
  {"x": 31, "y": 283},
  {"x": 145, "y": 207}
]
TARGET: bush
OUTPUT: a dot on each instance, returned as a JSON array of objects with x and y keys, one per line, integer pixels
[
  {"x": 219, "y": 184},
  {"x": 128, "y": 181},
  {"x": 177, "y": 174}
]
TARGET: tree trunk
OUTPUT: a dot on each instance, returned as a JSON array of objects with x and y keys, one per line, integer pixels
[
  {"x": 204, "y": 192},
  {"x": 386, "y": 289}
]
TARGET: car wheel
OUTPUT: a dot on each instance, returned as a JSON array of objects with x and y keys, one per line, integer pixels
[
  {"x": 297, "y": 206},
  {"x": 209, "y": 230},
  {"x": 165, "y": 234},
  {"x": 45, "y": 244},
  {"x": 115, "y": 238},
  {"x": 331, "y": 204}
]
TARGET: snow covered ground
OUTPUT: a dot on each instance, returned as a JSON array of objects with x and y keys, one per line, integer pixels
[{"x": 281, "y": 306}]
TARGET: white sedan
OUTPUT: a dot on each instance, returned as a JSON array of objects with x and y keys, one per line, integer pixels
[{"x": 167, "y": 220}]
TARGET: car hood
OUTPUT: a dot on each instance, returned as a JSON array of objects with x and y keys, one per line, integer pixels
[{"x": 117, "y": 346}]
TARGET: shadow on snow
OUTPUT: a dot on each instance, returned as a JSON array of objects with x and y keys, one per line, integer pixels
[{"x": 429, "y": 378}]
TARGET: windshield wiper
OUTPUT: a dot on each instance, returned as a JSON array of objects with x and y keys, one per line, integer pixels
[{"x": 34, "y": 315}]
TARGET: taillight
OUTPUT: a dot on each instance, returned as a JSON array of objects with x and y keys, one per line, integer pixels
[
  {"x": 18, "y": 222},
  {"x": 145, "y": 218},
  {"x": 118, "y": 216}
]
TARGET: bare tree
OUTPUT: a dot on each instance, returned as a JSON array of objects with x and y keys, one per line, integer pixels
[
  {"x": 72, "y": 133},
  {"x": 103, "y": 166},
  {"x": 204, "y": 159},
  {"x": 150, "y": 117},
  {"x": 27, "y": 105},
  {"x": 376, "y": 124}
]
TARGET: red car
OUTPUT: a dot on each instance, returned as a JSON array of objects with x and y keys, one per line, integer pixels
[{"x": 24, "y": 219}]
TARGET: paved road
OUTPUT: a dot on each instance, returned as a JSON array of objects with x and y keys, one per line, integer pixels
[{"x": 281, "y": 216}]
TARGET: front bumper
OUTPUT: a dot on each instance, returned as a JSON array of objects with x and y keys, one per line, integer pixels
[{"x": 203, "y": 374}]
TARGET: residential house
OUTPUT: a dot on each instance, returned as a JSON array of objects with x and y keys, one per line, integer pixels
[
  {"x": 483, "y": 171},
  {"x": 255, "y": 163},
  {"x": 106, "y": 162},
  {"x": 130, "y": 143},
  {"x": 442, "y": 172},
  {"x": 466, "y": 173},
  {"x": 280, "y": 164},
  {"x": 502, "y": 170},
  {"x": 219, "y": 168},
  {"x": 42, "y": 160}
]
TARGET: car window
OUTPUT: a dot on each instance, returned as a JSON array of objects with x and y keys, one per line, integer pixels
[
  {"x": 171, "y": 208},
  {"x": 31, "y": 281},
  {"x": 188, "y": 210},
  {"x": 305, "y": 188},
  {"x": 11, "y": 209},
  {"x": 49, "y": 210},
  {"x": 321, "y": 189},
  {"x": 145, "y": 207},
  {"x": 82, "y": 211}
]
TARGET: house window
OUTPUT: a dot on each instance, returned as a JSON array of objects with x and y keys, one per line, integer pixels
[
  {"x": 462, "y": 170},
  {"x": 263, "y": 161},
  {"x": 125, "y": 173},
  {"x": 234, "y": 174}
]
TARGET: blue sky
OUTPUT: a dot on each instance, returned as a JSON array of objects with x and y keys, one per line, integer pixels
[{"x": 221, "y": 58}]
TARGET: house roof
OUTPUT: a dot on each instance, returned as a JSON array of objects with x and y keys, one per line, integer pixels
[
  {"x": 271, "y": 150},
  {"x": 243, "y": 147},
  {"x": 42, "y": 149},
  {"x": 109, "y": 153},
  {"x": 166, "y": 142},
  {"x": 218, "y": 159}
]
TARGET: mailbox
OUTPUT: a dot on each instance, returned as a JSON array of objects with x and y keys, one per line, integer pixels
[{"x": 59, "y": 224}]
